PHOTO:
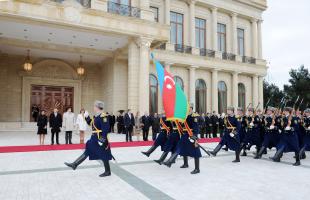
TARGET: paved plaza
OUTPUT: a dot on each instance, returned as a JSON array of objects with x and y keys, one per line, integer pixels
[{"x": 42, "y": 175}]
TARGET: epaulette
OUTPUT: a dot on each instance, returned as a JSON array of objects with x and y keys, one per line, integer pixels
[
  {"x": 195, "y": 115},
  {"x": 103, "y": 115}
]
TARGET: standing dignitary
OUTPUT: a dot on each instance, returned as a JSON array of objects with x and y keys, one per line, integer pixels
[
  {"x": 42, "y": 126},
  {"x": 155, "y": 120},
  {"x": 55, "y": 124},
  {"x": 81, "y": 124},
  {"x": 97, "y": 147},
  {"x": 68, "y": 125},
  {"x": 215, "y": 124},
  {"x": 129, "y": 123},
  {"x": 145, "y": 123}
]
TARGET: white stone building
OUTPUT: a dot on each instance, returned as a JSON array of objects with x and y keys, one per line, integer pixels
[{"x": 213, "y": 47}]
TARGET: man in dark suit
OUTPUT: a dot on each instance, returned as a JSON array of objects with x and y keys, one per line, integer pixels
[
  {"x": 55, "y": 124},
  {"x": 155, "y": 122},
  {"x": 112, "y": 122},
  {"x": 215, "y": 124},
  {"x": 129, "y": 123},
  {"x": 146, "y": 123}
]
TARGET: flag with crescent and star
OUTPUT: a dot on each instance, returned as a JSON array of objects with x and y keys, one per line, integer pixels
[{"x": 174, "y": 99}]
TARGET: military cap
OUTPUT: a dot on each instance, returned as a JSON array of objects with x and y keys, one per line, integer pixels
[
  {"x": 307, "y": 110},
  {"x": 289, "y": 109},
  {"x": 99, "y": 104},
  {"x": 231, "y": 108},
  {"x": 271, "y": 108}
]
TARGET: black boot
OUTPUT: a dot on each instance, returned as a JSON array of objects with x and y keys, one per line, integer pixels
[
  {"x": 217, "y": 149},
  {"x": 77, "y": 162},
  {"x": 196, "y": 170},
  {"x": 237, "y": 153},
  {"x": 278, "y": 155},
  {"x": 260, "y": 153},
  {"x": 107, "y": 170},
  {"x": 171, "y": 160},
  {"x": 297, "y": 163},
  {"x": 244, "y": 152},
  {"x": 148, "y": 152},
  {"x": 185, "y": 165},
  {"x": 162, "y": 158},
  {"x": 302, "y": 154}
]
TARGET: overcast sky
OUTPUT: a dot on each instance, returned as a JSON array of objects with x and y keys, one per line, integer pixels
[{"x": 286, "y": 38}]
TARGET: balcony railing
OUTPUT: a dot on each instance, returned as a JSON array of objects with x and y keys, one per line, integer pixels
[
  {"x": 250, "y": 60},
  {"x": 84, "y": 3},
  {"x": 207, "y": 52},
  {"x": 182, "y": 48},
  {"x": 228, "y": 56},
  {"x": 124, "y": 10}
]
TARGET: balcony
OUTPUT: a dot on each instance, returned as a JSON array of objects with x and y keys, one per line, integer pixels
[
  {"x": 249, "y": 60},
  {"x": 84, "y": 3},
  {"x": 207, "y": 52},
  {"x": 182, "y": 48},
  {"x": 124, "y": 10},
  {"x": 228, "y": 56}
]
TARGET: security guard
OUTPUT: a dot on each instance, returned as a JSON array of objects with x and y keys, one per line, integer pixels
[
  {"x": 97, "y": 147},
  {"x": 231, "y": 137}
]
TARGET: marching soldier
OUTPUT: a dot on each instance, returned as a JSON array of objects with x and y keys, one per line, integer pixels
[
  {"x": 161, "y": 139},
  {"x": 288, "y": 139},
  {"x": 231, "y": 136},
  {"x": 243, "y": 122},
  {"x": 306, "y": 137},
  {"x": 271, "y": 129},
  {"x": 97, "y": 147}
]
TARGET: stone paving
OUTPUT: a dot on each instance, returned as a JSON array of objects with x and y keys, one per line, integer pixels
[{"x": 42, "y": 175}]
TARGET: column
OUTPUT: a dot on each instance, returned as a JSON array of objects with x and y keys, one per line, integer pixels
[
  {"x": 214, "y": 28},
  {"x": 234, "y": 33},
  {"x": 255, "y": 90},
  {"x": 214, "y": 91},
  {"x": 261, "y": 91},
  {"x": 167, "y": 12},
  {"x": 235, "y": 89},
  {"x": 133, "y": 70},
  {"x": 144, "y": 69},
  {"x": 192, "y": 79},
  {"x": 192, "y": 22},
  {"x": 259, "y": 37},
  {"x": 254, "y": 38}
]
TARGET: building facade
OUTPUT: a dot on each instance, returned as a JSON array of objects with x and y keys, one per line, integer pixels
[{"x": 83, "y": 50}]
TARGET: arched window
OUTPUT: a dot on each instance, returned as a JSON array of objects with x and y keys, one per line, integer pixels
[
  {"x": 153, "y": 107},
  {"x": 241, "y": 95},
  {"x": 201, "y": 96},
  {"x": 222, "y": 97},
  {"x": 179, "y": 80}
]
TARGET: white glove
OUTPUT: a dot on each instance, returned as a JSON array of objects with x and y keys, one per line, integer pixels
[
  {"x": 271, "y": 127},
  {"x": 287, "y": 128},
  {"x": 232, "y": 135},
  {"x": 308, "y": 128},
  {"x": 86, "y": 114},
  {"x": 251, "y": 124}
]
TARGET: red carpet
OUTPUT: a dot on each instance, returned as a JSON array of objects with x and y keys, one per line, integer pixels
[{"x": 31, "y": 148}]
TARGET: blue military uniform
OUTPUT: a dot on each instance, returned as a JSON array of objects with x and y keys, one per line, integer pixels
[
  {"x": 193, "y": 122},
  {"x": 98, "y": 147},
  {"x": 306, "y": 136}
]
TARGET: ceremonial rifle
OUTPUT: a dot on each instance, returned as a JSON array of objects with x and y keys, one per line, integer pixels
[{"x": 266, "y": 106}]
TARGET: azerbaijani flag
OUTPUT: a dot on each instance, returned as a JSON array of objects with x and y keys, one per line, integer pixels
[{"x": 174, "y": 100}]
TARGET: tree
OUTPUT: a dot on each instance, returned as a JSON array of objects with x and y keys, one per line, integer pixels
[
  {"x": 272, "y": 92},
  {"x": 299, "y": 85}
]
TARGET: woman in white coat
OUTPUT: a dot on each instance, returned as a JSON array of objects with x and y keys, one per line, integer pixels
[
  {"x": 68, "y": 125},
  {"x": 81, "y": 124}
]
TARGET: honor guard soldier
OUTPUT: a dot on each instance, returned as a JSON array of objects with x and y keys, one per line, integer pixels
[
  {"x": 161, "y": 139},
  {"x": 243, "y": 122},
  {"x": 231, "y": 136},
  {"x": 288, "y": 138},
  {"x": 97, "y": 147},
  {"x": 306, "y": 136},
  {"x": 298, "y": 122},
  {"x": 195, "y": 123},
  {"x": 271, "y": 131}
]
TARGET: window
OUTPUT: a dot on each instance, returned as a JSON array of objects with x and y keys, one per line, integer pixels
[
  {"x": 200, "y": 30},
  {"x": 240, "y": 33},
  {"x": 153, "y": 108},
  {"x": 201, "y": 96},
  {"x": 221, "y": 37},
  {"x": 179, "y": 80},
  {"x": 155, "y": 11},
  {"x": 222, "y": 97},
  {"x": 241, "y": 95},
  {"x": 176, "y": 32}
]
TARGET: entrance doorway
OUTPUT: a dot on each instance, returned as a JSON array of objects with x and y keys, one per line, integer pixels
[{"x": 44, "y": 97}]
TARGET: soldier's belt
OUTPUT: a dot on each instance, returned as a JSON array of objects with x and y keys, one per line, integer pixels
[
  {"x": 231, "y": 128},
  {"x": 99, "y": 131}
]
